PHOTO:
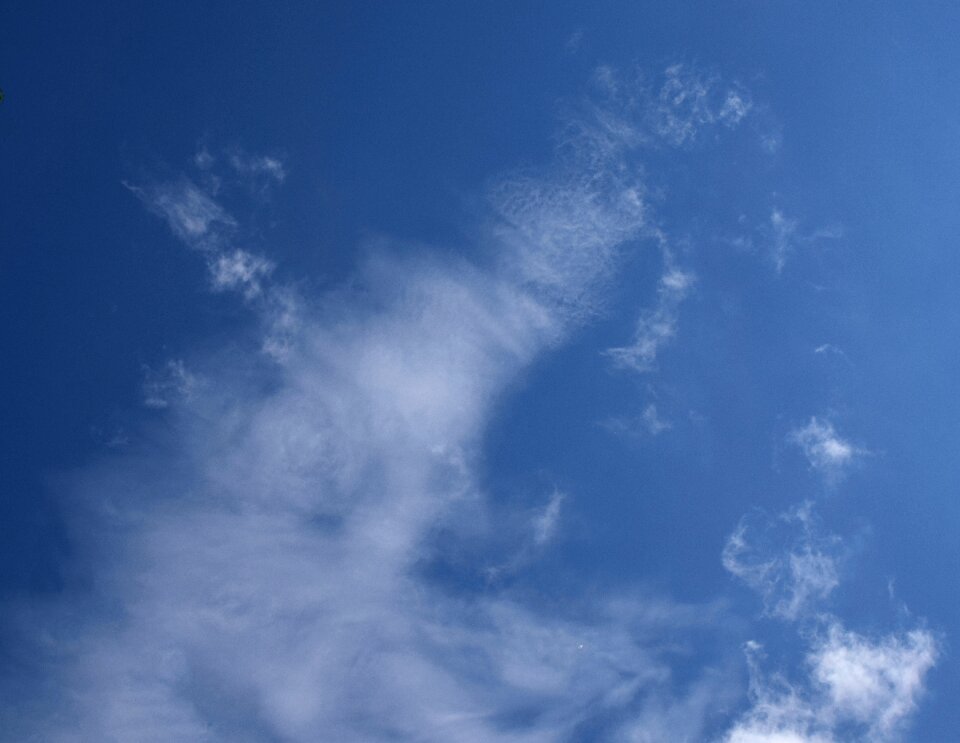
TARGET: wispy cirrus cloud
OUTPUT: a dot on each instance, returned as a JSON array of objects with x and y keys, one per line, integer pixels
[
  {"x": 779, "y": 236},
  {"x": 191, "y": 213},
  {"x": 852, "y": 687},
  {"x": 650, "y": 422},
  {"x": 239, "y": 270},
  {"x": 655, "y": 326},
  {"x": 786, "y": 560},
  {"x": 167, "y": 384},
  {"x": 260, "y": 575}
]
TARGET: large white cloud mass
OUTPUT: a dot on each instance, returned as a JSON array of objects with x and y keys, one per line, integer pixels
[{"x": 250, "y": 571}]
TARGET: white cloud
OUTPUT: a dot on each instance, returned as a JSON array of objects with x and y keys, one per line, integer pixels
[
  {"x": 825, "y": 348},
  {"x": 780, "y": 236},
  {"x": 168, "y": 384},
  {"x": 656, "y": 326},
  {"x": 786, "y": 561},
  {"x": 239, "y": 270},
  {"x": 562, "y": 234},
  {"x": 648, "y": 423},
  {"x": 782, "y": 230},
  {"x": 200, "y": 222},
  {"x": 191, "y": 213},
  {"x": 873, "y": 682},
  {"x": 572, "y": 45},
  {"x": 690, "y": 100},
  {"x": 825, "y": 450},
  {"x": 259, "y": 575},
  {"x": 257, "y": 165},
  {"x": 858, "y": 688},
  {"x": 652, "y": 420},
  {"x": 687, "y": 101},
  {"x": 736, "y": 106},
  {"x": 545, "y": 523},
  {"x": 266, "y": 564}
]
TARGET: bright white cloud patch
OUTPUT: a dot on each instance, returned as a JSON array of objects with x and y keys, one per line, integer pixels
[
  {"x": 858, "y": 689},
  {"x": 874, "y": 683},
  {"x": 824, "y": 448}
]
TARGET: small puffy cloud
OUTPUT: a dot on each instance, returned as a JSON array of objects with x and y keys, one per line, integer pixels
[
  {"x": 785, "y": 560},
  {"x": 825, "y": 450},
  {"x": 191, "y": 213},
  {"x": 241, "y": 271},
  {"x": 771, "y": 142},
  {"x": 257, "y": 165},
  {"x": 690, "y": 100}
]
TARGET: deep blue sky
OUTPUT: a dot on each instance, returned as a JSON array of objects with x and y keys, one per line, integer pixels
[{"x": 395, "y": 123}]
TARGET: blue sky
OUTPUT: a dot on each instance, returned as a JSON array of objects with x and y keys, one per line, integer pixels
[{"x": 522, "y": 372}]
